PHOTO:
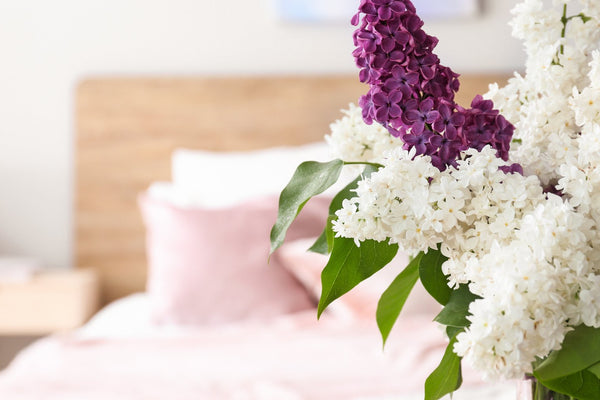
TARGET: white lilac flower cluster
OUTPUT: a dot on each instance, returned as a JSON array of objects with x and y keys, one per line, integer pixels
[
  {"x": 554, "y": 105},
  {"x": 533, "y": 257},
  {"x": 524, "y": 252}
]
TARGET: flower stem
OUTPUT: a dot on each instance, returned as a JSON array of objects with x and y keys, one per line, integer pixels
[
  {"x": 363, "y": 163},
  {"x": 563, "y": 33},
  {"x": 541, "y": 392},
  {"x": 565, "y": 21}
]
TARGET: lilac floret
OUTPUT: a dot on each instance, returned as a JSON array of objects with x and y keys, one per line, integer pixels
[
  {"x": 483, "y": 105},
  {"x": 421, "y": 113},
  {"x": 515, "y": 169},
  {"x": 424, "y": 65},
  {"x": 367, "y": 73},
  {"x": 448, "y": 150},
  {"x": 367, "y": 40},
  {"x": 450, "y": 121},
  {"x": 386, "y": 105},
  {"x": 420, "y": 141},
  {"x": 401, "y": 78},
  {"x": 368, "y": 108},
  {"x": 479, "y": 130},
  {"x": 387, "y": 9},
  {"x": 392, "y": 35}
]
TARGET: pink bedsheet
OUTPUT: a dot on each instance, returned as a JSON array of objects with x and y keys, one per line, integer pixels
[{"x": 291, "y": 358}]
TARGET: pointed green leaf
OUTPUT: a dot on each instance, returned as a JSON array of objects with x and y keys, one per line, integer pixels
[
  {"x": 447, "y": 377},
  {"x": 582, "y": 385},
  {"x": 452, "y": 331},
  {"x": 432, "y": 277},
  {"x": 457, "y": 308},
  {"x": 324, "y": 243},
  {"x": 310, "y": 179},
  {"x": 580, "y": 350},
  {"x": 393, "y": 299},
  {"x": 349, "y": 265},
  {"x": 320, "y": 245}
]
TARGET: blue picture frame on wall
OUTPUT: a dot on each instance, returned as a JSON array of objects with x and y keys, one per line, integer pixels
[{"x": 342, "y": 10}]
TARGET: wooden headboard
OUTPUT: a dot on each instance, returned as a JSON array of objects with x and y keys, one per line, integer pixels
[{"x": 128, "y": 127}]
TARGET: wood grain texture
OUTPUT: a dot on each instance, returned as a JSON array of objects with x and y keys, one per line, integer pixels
[{"x": 127, "y": 129}]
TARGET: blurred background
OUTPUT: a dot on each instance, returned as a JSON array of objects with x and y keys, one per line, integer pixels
[{"x": 48, "y": 47}]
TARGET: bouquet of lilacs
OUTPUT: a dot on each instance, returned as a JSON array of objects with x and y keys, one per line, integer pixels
[{"x": 498, "y": 204}]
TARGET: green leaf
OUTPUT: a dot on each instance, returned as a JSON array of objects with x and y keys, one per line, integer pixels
[
  {"x": 320, "y": 245},
  {"x": 447, "y": 377},
  {"x": 595, "y": 369},
  {"x": 393, "y": 299},
  {"x": 584, "y": 17},
  {"x": 324, "y": 243},
  {"x": 432, "y": 277},
  {"x": 310, "y": 179},
  {"x": 452, "y": 331},
  {"x": 457, "y": 308},
  {"x": 349, "y": 265},
  {"x": 580, "y": 350},
  {"x": 582, "y": 385}
]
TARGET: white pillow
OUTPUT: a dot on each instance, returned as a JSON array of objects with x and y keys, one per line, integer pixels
[
  {"x": 218, "y": 179},
  {"x": 168, "y": 192}
]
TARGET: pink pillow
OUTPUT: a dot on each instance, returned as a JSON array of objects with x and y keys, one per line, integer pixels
[
  {"x": 209, "y": 266},
  {"x": 360, "y": 302}
]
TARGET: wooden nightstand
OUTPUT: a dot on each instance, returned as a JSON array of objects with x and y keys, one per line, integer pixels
[{"x": 49, "y": 302}]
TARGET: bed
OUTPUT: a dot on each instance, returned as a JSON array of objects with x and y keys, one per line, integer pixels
[{"x": 192, "y": 310}]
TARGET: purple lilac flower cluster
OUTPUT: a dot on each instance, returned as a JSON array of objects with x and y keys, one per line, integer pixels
[{"x": 412, "y": 94}]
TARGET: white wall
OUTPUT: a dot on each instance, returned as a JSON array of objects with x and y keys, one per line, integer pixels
[{"x": 46, "y": 47}]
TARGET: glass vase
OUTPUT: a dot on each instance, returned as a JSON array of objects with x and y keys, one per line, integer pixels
[{"x": 530, "y": 389}]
